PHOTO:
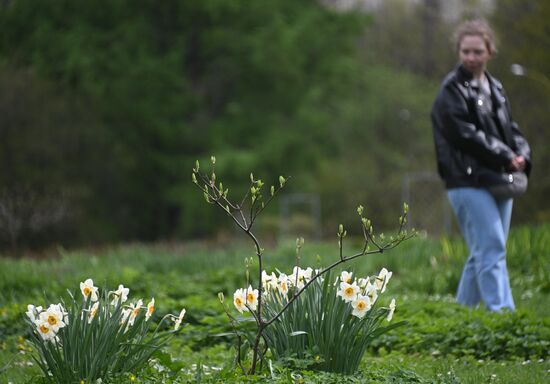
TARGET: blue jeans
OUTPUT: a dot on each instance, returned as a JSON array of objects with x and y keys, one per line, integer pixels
[{"x": 484, "y": 223}]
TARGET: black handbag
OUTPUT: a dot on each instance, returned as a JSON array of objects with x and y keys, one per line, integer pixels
[{"x": 512, "y": 184}]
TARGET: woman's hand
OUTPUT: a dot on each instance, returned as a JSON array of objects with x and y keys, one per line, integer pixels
[{"x": 517, "y": 163}]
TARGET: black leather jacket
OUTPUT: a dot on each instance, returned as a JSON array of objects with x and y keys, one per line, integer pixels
[{"x": 471, "y": 142}]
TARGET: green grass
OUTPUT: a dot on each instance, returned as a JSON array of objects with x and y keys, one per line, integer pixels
[{"x": 441, "y": 337}]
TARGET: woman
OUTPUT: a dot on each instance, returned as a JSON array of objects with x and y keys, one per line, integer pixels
[{"x": 474, "y": 136}]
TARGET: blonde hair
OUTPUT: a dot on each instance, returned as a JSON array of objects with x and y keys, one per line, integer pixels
[{"x": 479, "y": 28}]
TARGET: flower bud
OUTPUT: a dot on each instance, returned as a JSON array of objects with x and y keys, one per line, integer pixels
[
  {"x": 213, "y": 159},
  {"x": 282, "y": 181},
  {"x": 221, "y": 297},
  {"x": 194, "y": 178},
  {"x": 360, "y": 210}
]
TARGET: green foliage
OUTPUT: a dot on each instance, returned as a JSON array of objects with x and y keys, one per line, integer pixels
[
  {"x": 244, "y": 215},
  {"x": 95, "y": 338},
  {"x": 181, "y": 79},
  {"x": 319, "y": 329},
  {"x": 454, "y": 330},
  {"x": 443, "y": 342}
]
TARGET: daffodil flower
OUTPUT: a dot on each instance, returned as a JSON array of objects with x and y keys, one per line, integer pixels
[
  {"x": 125, "y": 315},
  {"x": 59, "y": 308},
  {"x": 150, "y": 309},
  {"x": 361, "y": 305},
  {"x": 33, "y": 312},
  {"x": 45, "y": 330},
  {"x": 239, "y": 300},
  {"x": 300, "y": 276},
  {"x": 93, "y": 312},
  {"x": 382, "y": 279},
  {"x": 135, "y": 308},
  {"x": 346, "y": 277},
  {"x": 265, "y": 279},
  {"x": 348, "y": 292},
  {"x": 363, "y": 283},
  {"x": 283, "y": 284},
  {"x": 392, "y": 310},
  {"x": 120, "y": 294},
  {"x": 53, "y": 317},
  {"x": 179, "y": 319},
  {"x": 273, "y": 282},
  {"x": 87, "y": 288},
  {"x": 370, "y": 291},
  {"x": 252, "y": 298}
]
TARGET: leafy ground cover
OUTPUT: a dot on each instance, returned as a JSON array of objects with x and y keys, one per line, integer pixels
[{"x": 442, "y": 343}]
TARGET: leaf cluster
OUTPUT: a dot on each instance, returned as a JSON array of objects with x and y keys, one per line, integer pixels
[{"x": 106, "y": 347}]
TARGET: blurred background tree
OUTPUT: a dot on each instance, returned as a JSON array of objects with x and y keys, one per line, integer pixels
[{"x": 106, "y": 104}]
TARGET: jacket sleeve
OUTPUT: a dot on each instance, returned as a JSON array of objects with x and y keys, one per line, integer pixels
[
  {"x": 522, "y": 146},
  {"x": 459, "y": 129}
]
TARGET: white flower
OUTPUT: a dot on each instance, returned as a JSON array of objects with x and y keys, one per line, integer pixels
[
  {"x": 87, "y": 288},
  {"x": 347, "y": 291},
  {"x": 135, "y": 308},
  {"x": 392, "y": 310},
  {"x": 283, "y": 284},
  {"x": 363, "y": 283},
  {"x": 125, "y": 315},
  {"x": 44, "y": 329},
  {"x": 346, "y": 277},
  {"x": 53, "y": 316},
  {"x": 33, "y": 312},
  {"x": 273, "y": 282},
  {"x": 252, "y": 298},
  {"x": 300, "y": 276},
  {"x": 265, "y": 279},
  {"x": 360, "y": 306},
  {"x": 93, "y": 312},
  {"x": 239, "y": 300},
  {"x": 120, "y": 294},
  {"x": 382, "y": 279},
  {"x": 59, "y": 308},
  {"x": 307, "y": 273},
  {"x": 370, "y": 291},
  {"x": 150, "y": 309},
  {"x": 179, "y": 319}
]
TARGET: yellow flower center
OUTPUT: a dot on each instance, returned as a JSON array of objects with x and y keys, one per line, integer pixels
[
  {"x": 151, "y": 309},
  {"x": 86, "y": 291},
  {"x": 250, "y": 297},
  {"x": 44, "y": 329},
  {"x": 361, "y": 305},
  {"x": 238, "y": 301},
  {"x": 348, "y": 280},
  {"x": 349, "y": 291},
  {"x": 52, "y": 320},
  {"x": 136, "y": 311},
  {"x": 283, "y": 286}
]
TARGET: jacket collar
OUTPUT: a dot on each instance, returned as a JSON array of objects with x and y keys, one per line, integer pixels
[{"x": 465, "y": 77}]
